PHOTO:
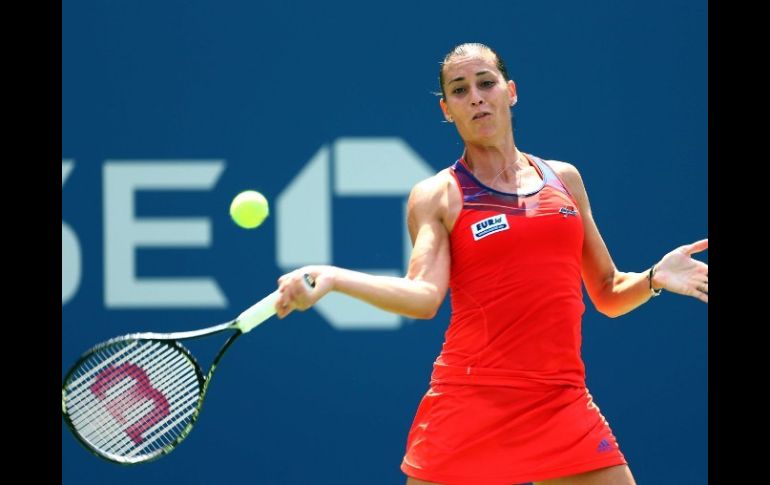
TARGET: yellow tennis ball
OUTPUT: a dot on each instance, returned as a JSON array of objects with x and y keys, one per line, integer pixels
[{"x": 249, "y": 208}]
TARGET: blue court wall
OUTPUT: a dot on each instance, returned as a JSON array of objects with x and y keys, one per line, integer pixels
[{"x": 171, "y": 108}]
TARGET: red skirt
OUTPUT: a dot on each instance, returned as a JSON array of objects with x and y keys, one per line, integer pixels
[{"x": 488, "y": 435}]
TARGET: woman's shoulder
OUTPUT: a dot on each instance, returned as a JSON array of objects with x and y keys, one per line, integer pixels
[
  {"x": 566, "y": 171},
  {"x": 435, "y": 185},
  {"x": 437, "y": 194},
  {"x": 570, "y": 176},
  {"x": 560, "y": 167}
]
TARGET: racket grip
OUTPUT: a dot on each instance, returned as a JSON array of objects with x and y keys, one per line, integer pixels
[
  {"x": 264, "y": 308},
  {"x": 258, "y": 312}
]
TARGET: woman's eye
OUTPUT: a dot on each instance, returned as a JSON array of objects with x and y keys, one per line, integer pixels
[
  {"x": 487, "y": 84},
  {"x": 458, "y": 90}
]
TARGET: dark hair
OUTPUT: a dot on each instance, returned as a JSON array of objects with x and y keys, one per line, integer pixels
[{"x": 467, "y": 49}]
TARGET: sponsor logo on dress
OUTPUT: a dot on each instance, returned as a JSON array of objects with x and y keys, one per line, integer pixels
[
  {"x": 568, "y": 211},
  {"x": 488, "y": 226},
  {"x": 604, "y": 446}
]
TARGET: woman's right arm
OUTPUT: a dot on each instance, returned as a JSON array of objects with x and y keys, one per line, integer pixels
[{"x": 417, "y": 295}]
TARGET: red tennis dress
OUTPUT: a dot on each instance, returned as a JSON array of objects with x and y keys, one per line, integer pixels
[{"x": 507, "y": 401}]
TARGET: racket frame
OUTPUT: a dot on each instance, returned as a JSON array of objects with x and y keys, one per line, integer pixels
[
  {"x": 244, "y": 323},
  {"x": 171, "y": 339}
]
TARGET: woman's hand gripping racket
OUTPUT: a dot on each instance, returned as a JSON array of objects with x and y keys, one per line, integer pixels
[{"x": 135, "y": 398}]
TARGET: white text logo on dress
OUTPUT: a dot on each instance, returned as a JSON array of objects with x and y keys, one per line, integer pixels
[{"x": 489, "y": 226}]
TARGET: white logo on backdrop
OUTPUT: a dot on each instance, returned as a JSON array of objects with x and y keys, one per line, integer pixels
[
  {"x": 348, "y": 167},
  {"x": 124, "y": 233}
]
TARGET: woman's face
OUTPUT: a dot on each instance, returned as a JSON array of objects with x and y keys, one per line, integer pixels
[{"x": 478, "y": 99}]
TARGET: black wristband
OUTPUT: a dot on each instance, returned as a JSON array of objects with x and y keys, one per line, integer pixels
[{"x": 650, "y": 274}]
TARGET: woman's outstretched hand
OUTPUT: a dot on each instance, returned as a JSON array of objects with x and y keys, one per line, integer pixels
[{"x": 679, "y": 273}]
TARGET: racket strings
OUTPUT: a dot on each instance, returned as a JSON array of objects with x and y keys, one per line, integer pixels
[
  {"x": 88, "y": 401},
  {"x": 185, "y": 403},
  {"x": 138, "y": 418},
  {"x": 84, "y": 396},
  {"x": 78, "y": 389},
  {"x": 83, "y": 406},
  {"x": 133, "y": 398},
  {"x": 186, "y": 389}
]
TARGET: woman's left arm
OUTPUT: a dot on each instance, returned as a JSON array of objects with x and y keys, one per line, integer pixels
[{"x": 615, "y": 292}]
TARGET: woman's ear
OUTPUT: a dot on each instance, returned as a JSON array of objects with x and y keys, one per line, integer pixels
[{"x": 444, "y": 109}]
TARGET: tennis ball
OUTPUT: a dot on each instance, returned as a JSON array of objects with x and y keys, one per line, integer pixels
[{"x": 249, "y": 208}]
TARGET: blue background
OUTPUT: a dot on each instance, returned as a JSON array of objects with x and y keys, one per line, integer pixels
[{"x": 617, "y": 88}]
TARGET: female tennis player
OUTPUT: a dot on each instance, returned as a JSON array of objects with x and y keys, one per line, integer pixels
[{"x": 512, "y": 235}]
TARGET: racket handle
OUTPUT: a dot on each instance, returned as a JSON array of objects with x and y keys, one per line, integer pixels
[
  {"x": 264, "y": 308},
  {"x": 258, "y": 312}
]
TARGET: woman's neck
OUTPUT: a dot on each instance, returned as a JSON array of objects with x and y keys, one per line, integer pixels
[{"x": 495, "y": 162}]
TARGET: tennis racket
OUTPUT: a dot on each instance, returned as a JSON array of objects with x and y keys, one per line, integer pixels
[{"x": 134, "y": 398}]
